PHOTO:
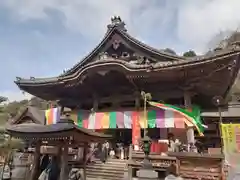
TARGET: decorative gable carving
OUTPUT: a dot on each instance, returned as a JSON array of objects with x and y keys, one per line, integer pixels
[{"x": 117, "y": 48}]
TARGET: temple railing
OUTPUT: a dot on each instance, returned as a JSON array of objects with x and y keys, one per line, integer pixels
[{"x": 189, "y": 165}]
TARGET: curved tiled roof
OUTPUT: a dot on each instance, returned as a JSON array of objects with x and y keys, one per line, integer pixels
[
  {"x": 36, "y": 114},
  {"x": 132, "y": 67},
  {"x": 115, "y": 29},
  {"x": 40, "y": 131},
  {"x": 173, "y": 61}
]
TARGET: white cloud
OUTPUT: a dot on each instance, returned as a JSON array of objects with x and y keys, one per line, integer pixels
[
  {"x": 15, "y": 95},
  {"x": 197, "y": 21},
  {"x": 201, "y": 21}
]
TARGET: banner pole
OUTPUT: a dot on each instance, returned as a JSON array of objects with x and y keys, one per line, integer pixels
[
  {"x": 220, "y": 128},
  {"x": 223, "y": 175}
]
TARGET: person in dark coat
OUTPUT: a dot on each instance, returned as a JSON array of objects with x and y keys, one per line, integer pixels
[
  {"x": 54, "y": 169},
  {"x": 103, "y": 153},
  {"x": 44, "y": 163}
]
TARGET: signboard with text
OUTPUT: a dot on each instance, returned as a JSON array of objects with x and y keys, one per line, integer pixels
[{"x": 231, "y": 143}]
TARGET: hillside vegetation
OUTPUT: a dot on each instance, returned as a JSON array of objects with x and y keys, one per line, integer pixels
[{"x": 12, "y": 109}]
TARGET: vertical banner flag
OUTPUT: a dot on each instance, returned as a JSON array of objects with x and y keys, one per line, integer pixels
[
  {"x": 123, "y": 119},
  {"x": 231, "y": 144},
  {"x": 136, "y": 132},
  {"x": 52, "y": 115}
]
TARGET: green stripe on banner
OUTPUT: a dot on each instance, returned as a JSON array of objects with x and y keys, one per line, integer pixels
[
  {"x": 113, "y": 120},
  {"x": 80, "y": 119},
  {"x": 151, "y": 118}
]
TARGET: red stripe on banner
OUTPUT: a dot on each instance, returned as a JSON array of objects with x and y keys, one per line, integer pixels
[
  {"x": 179, "y": 120},
  {"x": 51, "y": 116},
  {"x": 136, "y": 131},
  {"x": 85, "y": 123},
  {"x": 120, "y": 119}
]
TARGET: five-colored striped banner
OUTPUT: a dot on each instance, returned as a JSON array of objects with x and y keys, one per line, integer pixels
[
  {"x": 52, "y": 115},
  {"x": 125, "y": 119}
]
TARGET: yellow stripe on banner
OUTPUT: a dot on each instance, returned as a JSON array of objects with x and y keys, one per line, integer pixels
[
  {"x": 187, "y": 122},
  {"x": 47, "y": 113},
  {"x": 105, "y": 120},
  {"x": 225, "y": 138},
  {"x": 231, "y": 141},
  {"x": 142, "y": 120},
  {"x": 74, "y": 116},
  {"x": 237, "y": 137}
]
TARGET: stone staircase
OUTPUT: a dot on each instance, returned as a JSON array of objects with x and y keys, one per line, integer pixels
[{"x": 113, "y": 169}]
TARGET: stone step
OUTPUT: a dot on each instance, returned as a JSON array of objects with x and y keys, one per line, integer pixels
[
  {"x": 107, "y": 166},
  {"x": 90, "y": 177},
  {"x": 105, "y": 174},
  {"x": 113, "y": 172},
  {"x": 112, "y": 169},
  {"x": 114, "y": 161}
]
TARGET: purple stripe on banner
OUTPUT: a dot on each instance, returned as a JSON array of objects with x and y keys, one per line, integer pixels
[
  {"x": 160, "y": 118},
  {"x": 120, "y": 119},
  {"x": 58, "y": 114}
]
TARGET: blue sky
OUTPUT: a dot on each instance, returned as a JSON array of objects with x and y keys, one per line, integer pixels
[{"x": 41, "y": 38}]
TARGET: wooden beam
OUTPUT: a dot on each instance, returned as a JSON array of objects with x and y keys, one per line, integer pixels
[
  {"x": 85, "y": 161},
  {"x": 36, "y": 162}
]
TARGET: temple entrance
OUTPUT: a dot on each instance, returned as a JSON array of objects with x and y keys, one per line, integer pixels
[{"x": 122, "y": 138}]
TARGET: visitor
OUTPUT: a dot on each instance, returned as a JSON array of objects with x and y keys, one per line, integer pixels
[
  {"x": 172, "y": 173},
  {"x": 103, "y": 153},
  {"x": 44, "y": 163},
  {"x": 54, "y": 170},
  {"x": 74, "y": 174},
  {"x": 112, "y": 153},
  {"x": 171, "y": 142},
  {"x": 107, "y": 144},
  {"x": 192, "y": 148},
  {"x": 6, "y": 172},
  {"x": 91, "y": 154}
]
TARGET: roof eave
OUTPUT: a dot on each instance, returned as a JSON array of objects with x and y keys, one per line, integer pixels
[{"x": 137, "y": 68}]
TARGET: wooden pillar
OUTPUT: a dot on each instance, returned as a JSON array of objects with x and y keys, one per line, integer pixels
[
  {"x": 95, "y": 103},
  {"x": 130, "y": 169},
  {"x": 188, "y": 105},
  {"x": 36, "y": 162},
  {"x": 64, "y": 163},
  {"x": 85, "y": 160}
]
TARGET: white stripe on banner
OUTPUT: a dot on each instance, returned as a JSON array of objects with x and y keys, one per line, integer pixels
[
  {"x": 127, "y": 119},
  {"x": 169, "y": 119},
  {"x": 91, "y": 121}
]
